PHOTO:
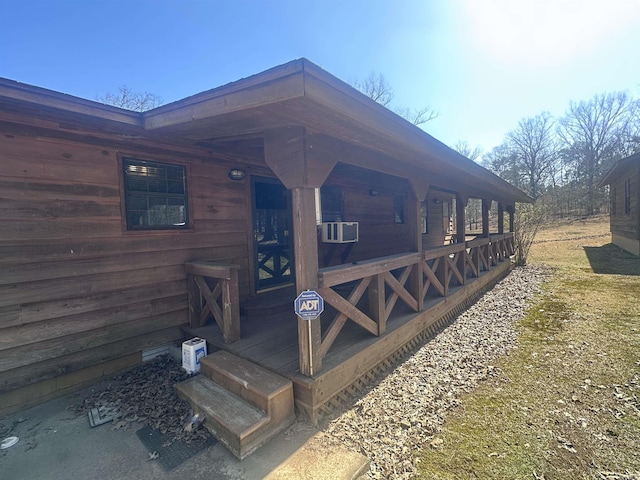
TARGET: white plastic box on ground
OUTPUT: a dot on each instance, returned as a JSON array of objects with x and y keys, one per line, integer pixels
[{"x": 192, "y": 351}]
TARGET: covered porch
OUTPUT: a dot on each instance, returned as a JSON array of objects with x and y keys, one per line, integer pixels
[
  {"x": 376, "y": 312},
  {"x": 317, "y": 152}
]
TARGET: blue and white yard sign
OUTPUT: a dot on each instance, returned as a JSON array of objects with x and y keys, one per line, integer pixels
[{"x": 309, "y": 305}]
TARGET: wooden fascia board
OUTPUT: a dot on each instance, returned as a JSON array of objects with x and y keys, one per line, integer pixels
[
  {"x": 12, "y": 91},
  {"x": 276, "y": 85},
  {"x": 301, "y": 80},
  {"x": 327, "y": 90}
]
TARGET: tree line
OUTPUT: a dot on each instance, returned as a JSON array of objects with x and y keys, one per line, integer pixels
[{"x": 559, "y": 161}]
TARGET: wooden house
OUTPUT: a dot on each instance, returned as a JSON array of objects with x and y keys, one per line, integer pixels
[
  {"x": 121, "y": 230},
  {"x": 624, "y": 193}
]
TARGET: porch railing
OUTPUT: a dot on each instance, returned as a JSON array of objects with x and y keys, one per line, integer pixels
[
  {"x": 213, "y": 290},
  {"x": 409, "y": 277},
  {"x": 372, "y": 276}
]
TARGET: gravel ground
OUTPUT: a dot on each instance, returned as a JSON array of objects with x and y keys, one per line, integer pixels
[
  {"x": 391, "y": 423},
  {"x": 404, "y": 413}
]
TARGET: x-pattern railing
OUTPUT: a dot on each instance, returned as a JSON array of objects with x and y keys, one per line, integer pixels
[
  {"x": 385, "y": 279},
  {"x": 213, "y": 290},
  {"x": 410, "y": 277}
]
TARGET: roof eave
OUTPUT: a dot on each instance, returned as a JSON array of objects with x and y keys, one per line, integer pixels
[{"x": 13, "y": 91}]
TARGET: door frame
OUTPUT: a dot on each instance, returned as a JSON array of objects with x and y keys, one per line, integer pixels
[{"x": 253, "y": 259}]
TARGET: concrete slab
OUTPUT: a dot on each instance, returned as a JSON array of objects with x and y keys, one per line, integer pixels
[
  {"x": 57, "y": 444},
  {"x": 316, "y": 460}
]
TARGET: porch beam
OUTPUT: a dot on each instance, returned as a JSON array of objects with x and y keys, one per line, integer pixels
[{"x": 305, "y": 246}]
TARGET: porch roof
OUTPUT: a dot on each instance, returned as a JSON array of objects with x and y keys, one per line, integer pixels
[{"x": 235, "y": 116}]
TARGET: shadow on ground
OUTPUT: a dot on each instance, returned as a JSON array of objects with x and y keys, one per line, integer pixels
[{"x": 612, "y": 260}]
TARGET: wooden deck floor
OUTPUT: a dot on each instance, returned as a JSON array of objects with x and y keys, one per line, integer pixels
[{"x": 272, "y": 342}]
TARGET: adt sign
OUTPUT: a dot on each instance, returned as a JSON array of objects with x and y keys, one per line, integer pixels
[{"x": 309, "y": 305}]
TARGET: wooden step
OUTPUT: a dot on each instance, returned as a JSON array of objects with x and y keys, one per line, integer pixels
[
  {"x": 262, "y": 388},
  {"x": 244, "y": 404},
  {"x": 230, "y": 419}
]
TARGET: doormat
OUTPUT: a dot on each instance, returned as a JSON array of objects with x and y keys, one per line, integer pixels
[{"x": 170, "y": 454}]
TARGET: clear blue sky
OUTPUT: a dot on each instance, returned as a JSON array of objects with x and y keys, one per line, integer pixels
[{"x": 483, "y": 65}]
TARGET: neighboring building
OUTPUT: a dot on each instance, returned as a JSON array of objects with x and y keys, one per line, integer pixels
[
  {"x": 122, "y": 231},
  {"x": 624, "y": 192}
]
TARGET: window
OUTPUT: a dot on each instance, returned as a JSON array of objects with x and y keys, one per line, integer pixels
[
  {"x": 398, "y": 209},
  {"x": 627, "y": 196},
  {"x": 155, "y": 195},
  {"x": 332, "y": 204}
]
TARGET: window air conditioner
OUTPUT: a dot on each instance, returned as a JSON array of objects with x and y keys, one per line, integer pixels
[{"x": 339, "y": 232}]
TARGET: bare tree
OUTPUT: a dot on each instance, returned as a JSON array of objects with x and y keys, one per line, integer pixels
[
  {"x": 126, "y": 98},
  {"x": 533, "y": 146},
  {"x": 463, "y": 148},
  {"x": 417, "y": 116},
  {"x": 502, "y": 161},
  {"x": 528, "y": 219},
  {"x": 595, "y": 133},
  {"x": 377, "y": 88}
]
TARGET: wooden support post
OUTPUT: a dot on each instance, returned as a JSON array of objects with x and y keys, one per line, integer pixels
[
  {"x": 442, "y": 272},
  {"x": 461, "y": 203},
  {"x": 231, "y": 307},
  {"x": 511, "y": 218},
  {"x": 486, "y": 206},
  {"x": 415, "y": 224},
  {"x": 301, "y": 166},
  {"x": 305, "y": 244},
  {"x": 475, "y": 258},
  {"x": 500, "y": 218},
  {"x": 377, "y": 302}
]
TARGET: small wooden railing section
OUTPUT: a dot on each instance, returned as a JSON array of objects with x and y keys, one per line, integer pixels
[
  {"x": 212, "y": 288},
  {"x": 408, "y": 277}
]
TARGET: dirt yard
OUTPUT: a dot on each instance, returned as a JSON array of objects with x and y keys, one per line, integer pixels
[{"x": 566, "y": 404}]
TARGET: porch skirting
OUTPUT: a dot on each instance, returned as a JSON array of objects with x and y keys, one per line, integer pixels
[{"x": 318, "y": 397}]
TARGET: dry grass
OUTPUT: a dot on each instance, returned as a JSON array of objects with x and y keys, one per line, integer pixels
[{"x": 567, "y": 404}]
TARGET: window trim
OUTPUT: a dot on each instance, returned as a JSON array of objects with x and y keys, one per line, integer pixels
[
  {"x": 627, "y": 196},
  {"x": 614, "y": 204},
  {"x": 123, "y": 161}
]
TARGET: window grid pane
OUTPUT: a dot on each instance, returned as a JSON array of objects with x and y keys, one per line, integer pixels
[{"x": 156, "y": 195}]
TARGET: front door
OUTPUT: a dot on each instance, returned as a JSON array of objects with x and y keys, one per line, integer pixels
[{"x": 273, "y": 255}]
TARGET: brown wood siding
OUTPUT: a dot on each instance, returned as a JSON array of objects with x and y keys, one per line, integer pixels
[
  {"x": 378, "y": 234},
  {"x": 76, "y": 290},
  {"x": 438, "y": 225},
  {"x": 627, "y": 224}
]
